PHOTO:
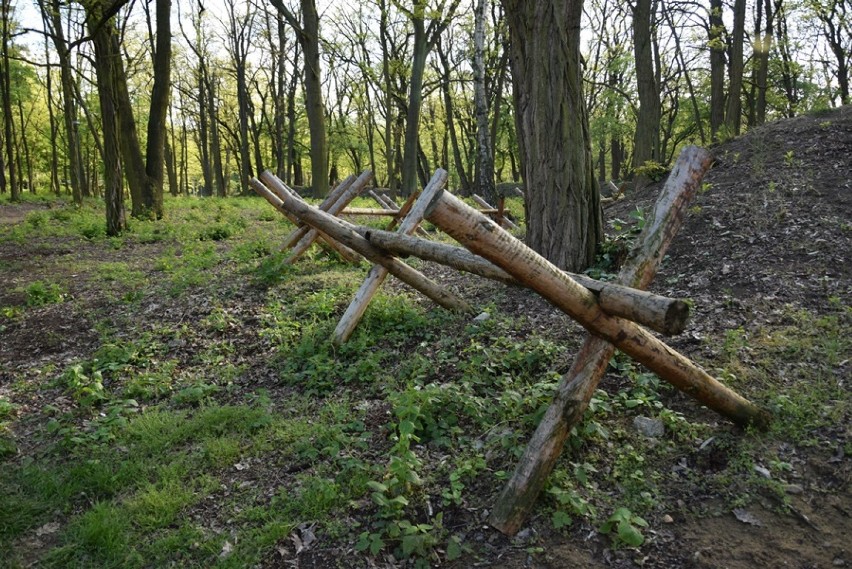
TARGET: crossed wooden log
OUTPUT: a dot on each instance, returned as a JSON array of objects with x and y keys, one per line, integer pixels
[{"x": 609, "y": 311}]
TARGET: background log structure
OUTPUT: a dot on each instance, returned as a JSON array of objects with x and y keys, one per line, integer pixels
[
  {"x": 347, "y": 196},
  {"x": 336, "y": 229},
  {"x": 350, "y": 319}
]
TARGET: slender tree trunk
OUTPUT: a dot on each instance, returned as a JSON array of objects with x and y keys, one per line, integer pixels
[
  {"x": 717, "y": 69},
  {"x": 6, "y": 96},
  {"x": 562, "y": 201},
  {"x": 486, "y": 155},
  {"x": 26, "y": 147},
  {"x": 735, "y": 70}
]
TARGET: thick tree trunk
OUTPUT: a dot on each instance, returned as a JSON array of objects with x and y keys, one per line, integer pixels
[
  {"x": 646, "y": 145},
  {"x": 562, "y": 201},
  {"x": 109, "y": 74},
  {"x": 762, "y": 48}
]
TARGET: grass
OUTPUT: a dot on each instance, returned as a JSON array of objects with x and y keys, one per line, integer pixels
[{"x": 211, "y": 418}]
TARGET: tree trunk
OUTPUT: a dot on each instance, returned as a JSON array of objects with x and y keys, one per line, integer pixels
[
  {"x": 483, "y": 135},
  {"x": 109, "y": 74},
  {"x": 562, "y": 202},
  {"x": 735, "y": 71},
  {"x": 762, "y": 48},
  {"x": 6, "y": 96},
  {"x": 717, "y": 69},
  {"x": 314, "y": 102},
  {"x": 155, "y": 150},
  {"x": 646, "y": 145}
]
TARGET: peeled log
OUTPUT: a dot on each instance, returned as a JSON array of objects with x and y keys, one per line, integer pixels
[
  {"x": 576, "y": 388},
  {"x": 336, "y": 229},
  {"x": 665, "y": 315},
  {"x": 378, "y": 273}
]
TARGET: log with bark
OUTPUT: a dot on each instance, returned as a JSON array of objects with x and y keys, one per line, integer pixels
[
  {"x": 577, "y": 386},
  {"x": 336, "y": 229},
  {"x": 378, "y": 273},
  {"x": 665, "y": 315}
]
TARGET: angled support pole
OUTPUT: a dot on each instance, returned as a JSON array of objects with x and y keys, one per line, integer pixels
[{"x": 378, "y": 273}]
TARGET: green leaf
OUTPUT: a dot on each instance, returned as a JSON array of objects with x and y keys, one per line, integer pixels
[
  {"x": 560, "y": 519},
  {"x": 454, "y": 549},
  {"x": 377, "y": 486},
  {"x": 629, "y": 534}
]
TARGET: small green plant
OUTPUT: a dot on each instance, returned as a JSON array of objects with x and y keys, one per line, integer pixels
[
  {"x": 87, "y": 388},
  {"x": 652, "y": 170},
  {"x": 40, "y": 293},
  {"x": 624, "y": 527},
  {"x": 789, "y": 159}
]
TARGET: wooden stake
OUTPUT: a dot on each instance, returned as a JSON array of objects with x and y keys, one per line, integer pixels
[
  {"x": 377, "y": 273},
  {"x": 665, "y": 315},
  {"x": 335, "y": 228},
  {"x": 579, "y": 384}
]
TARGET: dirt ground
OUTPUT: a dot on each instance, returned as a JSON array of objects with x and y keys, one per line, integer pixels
[{"x": 771, "y": 228}]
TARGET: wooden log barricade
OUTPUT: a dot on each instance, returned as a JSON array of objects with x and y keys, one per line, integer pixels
[
  {"x": 346, "y": 196},
  {"x": 377, "y": 273},
  {"x": 611, "y": 312}
]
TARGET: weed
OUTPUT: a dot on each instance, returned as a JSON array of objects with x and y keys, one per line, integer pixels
[
  {"x": 40, "y": 293},
  {"x": 626, "y": 527}
]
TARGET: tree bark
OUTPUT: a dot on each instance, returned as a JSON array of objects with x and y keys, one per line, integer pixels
[
  {"x": 733, "y": 116},
  {"x": 155, "y": 151},
  {"x": 562, "y": 202},
  {"x": 716, "y": 42},
  {"x": 109, "y": 74},
  {"x": 6, "y": 97},
  {"x": 480, "y": 98},
  {"x": 646, "y": 146}
]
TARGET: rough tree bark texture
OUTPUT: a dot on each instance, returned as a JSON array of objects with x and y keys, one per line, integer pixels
[
  {"x": 562, "y": 207},
  {"x": 155, "y": 151},
  {"x": 106, "y": 71},
  {"x": 647, "y": 137}
]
